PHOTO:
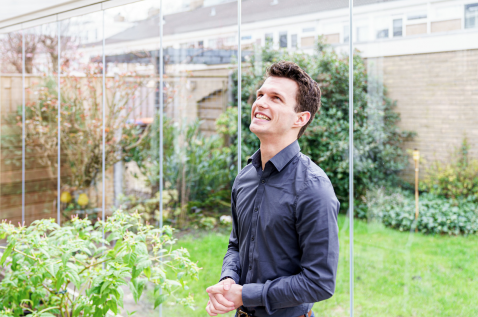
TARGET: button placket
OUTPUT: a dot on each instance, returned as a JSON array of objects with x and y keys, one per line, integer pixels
[{"x": 255, "y": 215}]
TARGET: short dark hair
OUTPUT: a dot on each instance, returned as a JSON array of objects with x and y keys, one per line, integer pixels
[{"x": 308, "y": 96}]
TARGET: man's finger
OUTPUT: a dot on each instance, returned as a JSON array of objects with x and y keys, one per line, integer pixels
[
  {"x": 215, "y": 289},
  {"x": 208, "y": 309},
  {"x": 227, "y": 284},
  {"x": 220, "y": 303}
]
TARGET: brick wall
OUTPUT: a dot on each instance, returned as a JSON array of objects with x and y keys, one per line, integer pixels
[{"x": 437, "y": 97}]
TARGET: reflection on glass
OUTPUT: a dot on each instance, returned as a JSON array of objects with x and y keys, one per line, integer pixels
[
  {"x": 11, "y": 126},
  {"x": 416, "y": 257},
  {"x": 81, "y": 117},
  {"x": 41, "y": 122}
]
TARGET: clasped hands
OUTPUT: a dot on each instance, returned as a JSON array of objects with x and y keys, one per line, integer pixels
[{"x": 224, "y": 297}]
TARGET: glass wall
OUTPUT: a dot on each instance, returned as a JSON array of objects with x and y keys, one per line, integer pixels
[
  {"x": 11, "y": 126},
  {"x": 124, "y": 108},
  {"x": 82, "y": 106},
  {"x": 415, "y": 145},
  {"x": 41, "y": 122}
]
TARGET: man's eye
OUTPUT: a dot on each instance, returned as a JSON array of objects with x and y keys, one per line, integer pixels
[
  {"x": 278, "y": 98},
  {"x": 258, "y": 96}
]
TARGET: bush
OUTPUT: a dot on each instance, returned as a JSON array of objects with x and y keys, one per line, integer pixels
[
  {"x": 45, "y": 262},
  {"x": 455, "y": 179},
  {"x": 396, "y": 209},
  {"x": 198, "y": 169},
  {"x": 377, "y": 139}
]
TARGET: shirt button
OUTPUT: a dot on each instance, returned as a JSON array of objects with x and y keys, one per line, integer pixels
[
  {"x": 256, "y": 209},
  {"x": 263, "y": 181},
  {"x": 252, "y": 238},
  {"x": 250, "y": 267}
]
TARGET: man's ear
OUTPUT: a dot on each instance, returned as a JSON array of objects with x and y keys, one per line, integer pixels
[{"x": 302, "y": 119}]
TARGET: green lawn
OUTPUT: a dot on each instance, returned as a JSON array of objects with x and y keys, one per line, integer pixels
[{"x": 396, "y": 273}]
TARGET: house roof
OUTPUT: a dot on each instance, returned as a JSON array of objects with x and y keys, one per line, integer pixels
[{"x": 225, "y": 14}]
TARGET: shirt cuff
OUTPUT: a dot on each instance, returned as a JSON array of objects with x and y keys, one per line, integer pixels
[
  {"x": 231, "y": 274},
  {"x": 252, "y": 295}
]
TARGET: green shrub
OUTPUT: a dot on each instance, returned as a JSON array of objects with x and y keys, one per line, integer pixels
[
  {"x": 65, "y": 270},
  {"x": 396, "y": 209},
  {"x": 198, "y": 169},
  {"x": 377, "y": 139},
  {"x": 455, "y": 179}
]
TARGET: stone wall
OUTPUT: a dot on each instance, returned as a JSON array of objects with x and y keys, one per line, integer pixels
[{"x": 437, "y": 97}]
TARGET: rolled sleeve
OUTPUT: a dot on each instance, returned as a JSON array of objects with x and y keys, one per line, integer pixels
[{"x": 252, "y": 295}]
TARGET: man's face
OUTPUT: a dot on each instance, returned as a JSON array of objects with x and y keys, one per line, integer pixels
[{"x": 273, "y": 113}]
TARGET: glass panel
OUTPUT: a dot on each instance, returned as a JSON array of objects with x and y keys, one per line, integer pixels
[
  {"x": 41, "y": 122},
  {"x": 11, "y": 92},
  {"x": 82, "y": 117},
  {"x": 200, "y": 151},
  {"x": 316, "y": 35},
  {"x": 416, "y": 161},
  {"x": 132, "y": 129}
]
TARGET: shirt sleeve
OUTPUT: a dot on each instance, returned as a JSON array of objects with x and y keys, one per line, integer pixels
[
  {"x": 316, "y": 224},
  {"x": 231, "y": 265}
]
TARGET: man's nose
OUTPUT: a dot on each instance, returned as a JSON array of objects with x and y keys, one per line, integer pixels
[{"x": 261, "y": 103}]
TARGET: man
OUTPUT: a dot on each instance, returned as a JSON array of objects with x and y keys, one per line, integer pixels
[{"x": 283, "y": 249}]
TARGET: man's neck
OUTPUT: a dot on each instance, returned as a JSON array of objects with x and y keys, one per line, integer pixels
[{"x": 269, "y": 148}]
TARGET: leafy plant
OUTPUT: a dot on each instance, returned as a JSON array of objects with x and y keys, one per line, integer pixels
[
  {"x": 198, "y": 169},
  {"x": 396, "y": 209},
  {"x": 66, "y": 271},
  {"x": 457, "y": 178},
  {"x": 378, "y": 156}
]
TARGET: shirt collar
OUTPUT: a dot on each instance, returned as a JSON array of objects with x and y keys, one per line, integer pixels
[{"x": 280, "y": 159}]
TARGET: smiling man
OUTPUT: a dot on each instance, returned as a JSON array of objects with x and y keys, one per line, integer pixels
[{"x": 283, "y": 249}]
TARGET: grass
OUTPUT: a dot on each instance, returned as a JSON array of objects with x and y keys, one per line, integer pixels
[{"x": 396, "y": 273}]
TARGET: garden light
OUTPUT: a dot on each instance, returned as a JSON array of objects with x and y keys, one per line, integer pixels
[{"x": 416, "y": 158}]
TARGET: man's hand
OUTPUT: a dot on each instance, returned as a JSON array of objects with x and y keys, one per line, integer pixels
[
  {"x": 234, "y": 295},
  {"x": 218, "y": 304}
]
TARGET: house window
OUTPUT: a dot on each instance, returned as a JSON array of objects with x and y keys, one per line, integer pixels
[
  {"x": 283, "y": 39},
  {"x": 293, "y": 40},
  {"x": 269, "y": 38},
  {"x": 306, "y": 30},
  {"x": 397, "y": 27},
  {"x": 471, "y": 16}
]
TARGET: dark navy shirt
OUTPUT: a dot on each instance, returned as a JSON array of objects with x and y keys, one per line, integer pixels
[{"x": 284, "y": 246}]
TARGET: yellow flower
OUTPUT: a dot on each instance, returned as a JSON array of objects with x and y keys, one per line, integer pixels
[
  {"x": 83, "y": 200},
  {"x": 65, "y": 197}
]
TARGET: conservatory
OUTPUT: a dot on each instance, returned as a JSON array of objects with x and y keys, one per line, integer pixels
[{"x": 144, "y": 106}]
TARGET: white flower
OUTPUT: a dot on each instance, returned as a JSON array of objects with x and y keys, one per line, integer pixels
[{"x": 225, "y": 220}]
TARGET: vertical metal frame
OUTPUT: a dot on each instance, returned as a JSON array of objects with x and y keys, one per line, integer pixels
[
  {"x": 58, "y": 178},
  {"x": 23, "y": 127},
  {"x": 351, "y": 158},
  {"x": 239, "y": 86},
  {"x": 103, "y": 159},
  {"x": 161, "y": 106}
]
